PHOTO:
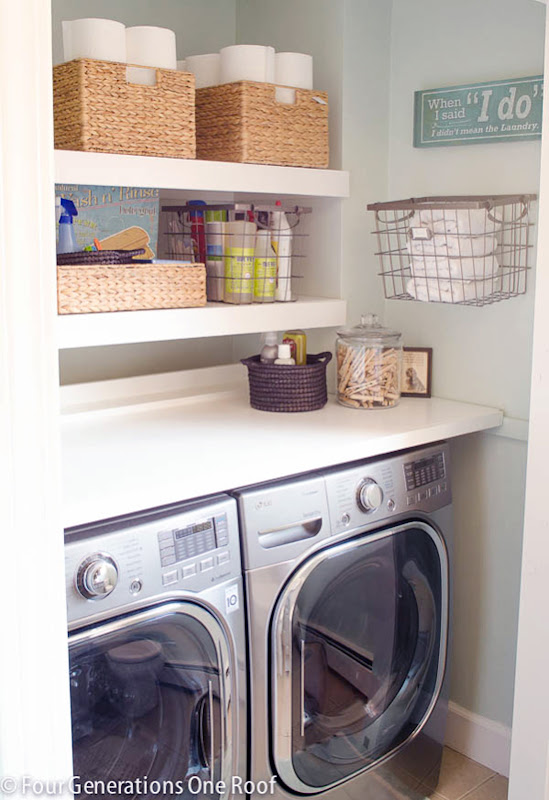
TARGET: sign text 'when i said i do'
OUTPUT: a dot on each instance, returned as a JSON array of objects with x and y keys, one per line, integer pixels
[{"x": 507, "y": 110}]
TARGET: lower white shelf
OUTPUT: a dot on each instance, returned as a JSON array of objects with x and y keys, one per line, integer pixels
[{"x": 215, "y": 319}]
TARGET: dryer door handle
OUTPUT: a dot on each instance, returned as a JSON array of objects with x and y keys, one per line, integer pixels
[{"x": 290, "y": 532}]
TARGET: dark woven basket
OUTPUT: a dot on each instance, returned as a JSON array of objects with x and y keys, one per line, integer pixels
[
  {"x": 285, "y": 387},
  {"x": 100, "y": 257}
]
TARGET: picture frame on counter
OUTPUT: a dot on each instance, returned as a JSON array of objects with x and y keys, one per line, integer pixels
[{"x": 417, "y": 368}]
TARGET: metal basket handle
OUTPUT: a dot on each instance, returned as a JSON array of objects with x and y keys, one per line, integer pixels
[
  {"x": 396, "y": 219},
  {"x": 494, "y": 218}
]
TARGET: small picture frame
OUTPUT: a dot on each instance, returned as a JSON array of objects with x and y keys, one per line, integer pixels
[{"x": 417, "y": 363}]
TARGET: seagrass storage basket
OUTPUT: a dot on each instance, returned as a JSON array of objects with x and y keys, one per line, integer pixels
[
  {"x": 288, "y": 388},
  {"x": 96, "y": 109},
  {"x": 89, "y": 288},
  {"x": 244, "y": 122}
]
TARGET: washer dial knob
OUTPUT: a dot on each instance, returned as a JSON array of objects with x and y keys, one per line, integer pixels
[
  {"x": 97, "y": 576},
  {"x": 369, "y": 495}
]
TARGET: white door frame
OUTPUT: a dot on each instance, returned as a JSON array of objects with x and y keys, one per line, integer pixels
[
  {"x": 35, "y": 733},
  {"x": 529, "y": 774}
]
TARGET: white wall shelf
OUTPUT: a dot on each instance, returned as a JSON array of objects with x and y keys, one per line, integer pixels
[
  {"x": 215, "y": 319},
  {"x": 106, "y": 169}
]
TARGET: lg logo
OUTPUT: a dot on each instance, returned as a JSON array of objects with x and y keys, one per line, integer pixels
[{"x": 263, "y": 504}]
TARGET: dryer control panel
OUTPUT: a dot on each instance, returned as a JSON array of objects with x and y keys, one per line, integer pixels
[
  {"x": 376, "y": 490},
  {"x": 125, "y": 562}
]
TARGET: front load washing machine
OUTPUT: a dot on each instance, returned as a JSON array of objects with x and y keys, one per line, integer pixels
[
  {"x": 347, "y": 576},
  {"x": 157, "y": 653}
]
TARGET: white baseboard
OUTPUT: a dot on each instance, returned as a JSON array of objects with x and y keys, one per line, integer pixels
[{"x": 479, "y": 738}]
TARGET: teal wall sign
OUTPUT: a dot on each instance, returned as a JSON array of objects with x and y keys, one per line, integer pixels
[{"x": 500, "y": 111}]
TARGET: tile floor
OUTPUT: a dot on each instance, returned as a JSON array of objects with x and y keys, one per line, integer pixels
[{"x": 463, "y": 779}]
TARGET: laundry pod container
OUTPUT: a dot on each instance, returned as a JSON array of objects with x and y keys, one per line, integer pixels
[{"x": 369, "y": 365}]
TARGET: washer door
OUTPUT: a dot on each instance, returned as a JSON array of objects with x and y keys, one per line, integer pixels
[
  {"x": 151, "y": 699},
  {"x": 359, "y": 649}
]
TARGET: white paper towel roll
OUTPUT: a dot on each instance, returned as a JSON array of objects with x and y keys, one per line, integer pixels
[
  {"x": 283, "y": 94},
  {"x": 294, "y": 69},
  {"x": 144, "y": 76},
  {"x": 247, "y": 62},
  {"x": 206, "y": 69},
  {"x": 102, "y": 39},
  {"x": 151, "y": 47}
]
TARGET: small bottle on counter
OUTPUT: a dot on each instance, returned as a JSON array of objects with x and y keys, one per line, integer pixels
[
  {"x": 298, "y": 344},
  {"x": 285, "y": 355},
  {"x": 269, "y": 351}
]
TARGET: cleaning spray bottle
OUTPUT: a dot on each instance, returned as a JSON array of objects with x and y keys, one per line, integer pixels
[
  {"x": 281, "y": 239},
  {"x": 67, "y": 239}
]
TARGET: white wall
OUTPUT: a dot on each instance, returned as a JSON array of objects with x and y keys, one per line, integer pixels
[
  {"x": 480, "y": 354},
  {"x": 530, "y": 744},
  {"x": 35, "y": 721}
]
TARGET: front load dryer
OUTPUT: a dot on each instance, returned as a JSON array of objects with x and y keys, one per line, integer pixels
[{"x": 347, "y": 577}]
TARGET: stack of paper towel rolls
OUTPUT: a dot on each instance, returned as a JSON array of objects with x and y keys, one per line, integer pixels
[
  {"x": 108, "y": 40},
  {"x": 150, "y": 46},
  {"x": 251, "y": 62}
]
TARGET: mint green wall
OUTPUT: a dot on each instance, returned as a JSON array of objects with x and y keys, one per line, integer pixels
[
  {"x": 305, "y": 26},
  {"x": 349, "y": 41},
  {"x": 201, "y": 27},
  {"x": 481, "y": 355},
  {"x": 371, "y": 55}
]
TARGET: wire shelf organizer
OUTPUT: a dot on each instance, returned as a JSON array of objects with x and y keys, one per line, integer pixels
[
  {"x": 470, "y": 250},
  {"x": 249, "y": 256}
]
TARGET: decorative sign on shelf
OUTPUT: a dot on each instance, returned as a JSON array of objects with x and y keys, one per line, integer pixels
[{"x": 500, "y": 111}]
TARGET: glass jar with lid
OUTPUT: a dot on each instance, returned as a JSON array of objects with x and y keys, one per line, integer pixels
[{"x": 369, "y": 363}]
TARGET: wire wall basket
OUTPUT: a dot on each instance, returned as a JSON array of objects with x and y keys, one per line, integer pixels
[
  {"x": 251, "y": 251},
  {"x": 471, "y": 250}
]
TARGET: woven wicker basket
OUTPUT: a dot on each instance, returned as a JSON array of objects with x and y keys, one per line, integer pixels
[
  {"x": 244, "y": 122},
  {"x": 88, "y": 288},
  {"x": 281, "y": 387},
  {"x": 96, "y": 109}
]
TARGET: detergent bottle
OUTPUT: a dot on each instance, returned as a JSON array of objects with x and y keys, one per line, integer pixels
[
  {"x": 281, "y": 240},
  {"x": 67, "y": 239}
]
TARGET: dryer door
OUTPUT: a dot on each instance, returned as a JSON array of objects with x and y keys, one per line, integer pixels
[
  {"x": 151, "y": 701},
  {"x": 359, "y": 646}
]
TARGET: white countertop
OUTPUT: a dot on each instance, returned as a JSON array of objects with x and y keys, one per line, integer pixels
[{"x": 126, "y": 458}]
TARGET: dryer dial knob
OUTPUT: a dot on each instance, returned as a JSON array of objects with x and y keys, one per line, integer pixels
[
  {"x": 369, "y": 495},
  {"x": 97, "y": 576}
]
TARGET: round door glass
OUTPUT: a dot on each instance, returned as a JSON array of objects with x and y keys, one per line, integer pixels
[
  {"x": 145, "y": 704},
  {"x": 365, "y": 652}
]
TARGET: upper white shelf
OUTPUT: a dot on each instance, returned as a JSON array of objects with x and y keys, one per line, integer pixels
[
  {"x": 105, "y": 169},
  {"x": 215, "y": 319}
]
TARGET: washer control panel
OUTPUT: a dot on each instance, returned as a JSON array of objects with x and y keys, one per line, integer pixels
[
  {"x": 121, "y": 562},
  {"x": 194, "y": 539}
]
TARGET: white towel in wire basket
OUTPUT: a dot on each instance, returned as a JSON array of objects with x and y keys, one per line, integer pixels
[{"x": 440, "y": 291}]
